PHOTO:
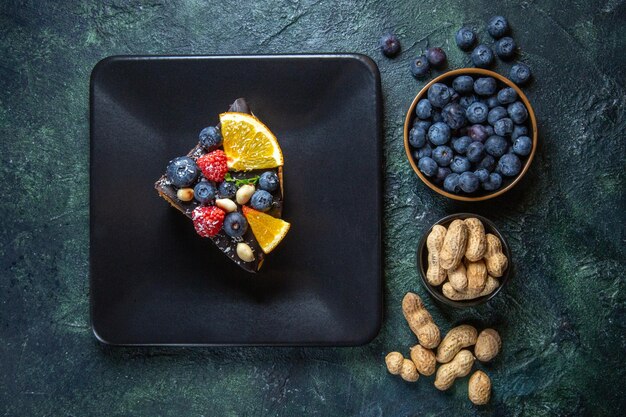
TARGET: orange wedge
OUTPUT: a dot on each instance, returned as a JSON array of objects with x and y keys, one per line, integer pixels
[
  {"x": 268, "y": 230},
  {"x": 248, "y": 143}
]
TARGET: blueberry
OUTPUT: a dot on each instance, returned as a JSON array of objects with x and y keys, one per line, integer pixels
[
  {"x": 492, "y": 102},
  {"x": 469, "y": 182},
  {"x": 454, "y": 96},
  {"x": 507, "y": 95},
  {"x": 505, "y": 47},
  {"x": 503, "y": 127},
  {"x": 482, "y": 174},
  {"x": 425, "y": 151},
  {"x": 496, "y": 146},
  {"x": 517, "y": 112},
  {"x": 389, "y": 45},
  {"x": 420, "y": 67},
  {"x": 522, "y": 145},
  {"x": 482, "y": 56},
  {"x": 488, "y": 163},
  {"x": 235, "y": 224},
  {"x": 226, "y": 189},
  {"x": 454, "y": 115},
  {"x": 437, "y": 116},
  {"x": 463, "y": 84},
  {"x": 268, "y": 181},
  {"x": 436, "y": 57},
  {"x": 489, "y": 129},
  {"x": 182, "y": 171},
  {"x": 478, "y": 132},
  {"x": 467, "y": 101},
  {"x": 210, "y": 137},
  {"x": 261, "y": 200},
  {"x": 509, "y": 165},
  {"x": 417, "y": 137},
  {"x": 496, "y": 114},
  {"x": 428, "y": 166},
  {"x": 485, "y": 86},
  {"x": 439, "y": 95},
  {"x": 475, "y": 152},
  {"x": 465, "y": 38},
  {"x": 442, "y": 155},
  {"x": 460, "y": 164},
  {"x": 451, "y": 183},
  {"x": 498, "y": 26},
  {"x": 477, "y": 112},
  {"x": 442, "y": 173},
  {"x": 439, "y": 133},
  {"x": 493, "y": 183},
  {"x": 424, "y": 124},
  {"x": 461, "y": 144},
  {"x": 424, "y": 110},
  {"x": 520, "y": 74},
  {"x": 204, "y": 191},
  {"x": 519, "y": 130}
]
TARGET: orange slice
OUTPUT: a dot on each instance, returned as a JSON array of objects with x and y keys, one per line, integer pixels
[
  {"x": 248, "y": 143},
  {"x": 268, "y": 230}
]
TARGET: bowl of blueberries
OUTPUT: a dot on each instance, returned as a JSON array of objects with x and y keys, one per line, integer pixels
[{"x": 470, "y": 134}]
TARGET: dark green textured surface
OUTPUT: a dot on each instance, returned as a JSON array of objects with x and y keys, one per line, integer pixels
[{"x": 561, "y": 317}]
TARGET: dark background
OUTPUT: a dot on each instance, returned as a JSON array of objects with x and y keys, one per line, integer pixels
[{"x": 561, "y": 318}]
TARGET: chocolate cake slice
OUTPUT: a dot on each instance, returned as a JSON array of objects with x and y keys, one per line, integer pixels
[{"x": 227, "y": 244}]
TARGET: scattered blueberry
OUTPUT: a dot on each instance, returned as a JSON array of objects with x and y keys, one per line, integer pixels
[
  {"x": 477, "y": 112},
  {"x": 475, "y": 152},
  {"x": 463, "y": 84},
  {"x": 467, "y": 101},
  {"x": 424, "y": 109},
  {"x": 204, "y": 191},
  {"x": 417, "y": 137},
  {"x": 507, "y": 96},
  {"x": 509, "y": 165},
  {"x": 460, "y": 164},
  {"x": 519, "y": 130},
  {"x": 451, "y": 183},
  {"x": 389, "y": 45},
  {"x": 182, "y": 171},
  {"x": 520, "y": 74},
  {"x": 492, "y": 102},
  {"x": 442, "y": 155},
  {"x": 453, "y": 115},
  {"x": 503, "y": 127},
  {"x": 439, "y": 95},
  {"x": 210, "y": 137},
  {"x": 461, "y": 144},
  {"x": 488, "y": 163},
  {"x": 478, "y": 132},
  {"x": 268, "y": 181},
  {"x": 517, "y": 112},
  {"x": 496, "y": 114},
  {"x": 465, "y": 38},
  {"x": 420, "y": 67},
  {"x": 505, "y": 47},
  {"x": 439, "y": 133},
  {"x": 469, "y": 182},
  {"x": 235, "y": 224},
  {"x": 485, "y": 86},
  {"x": 261, "y": 200},
  {"x": 496, "y": 146},
  {"x": 522, "y": 145},
  {"x": 436, "y": 57},
  {"x": 226, "y": 189},
  {"x": 493, "y": 183},
  {"x": 482, "y": 56},
  {"x": 442, "y": 173},
  {"x": 498, "y": 26},
  {"x": 428, "y": 166},
  {"x": 482, "y": 174},
  {"x": 425, "y": 151}
]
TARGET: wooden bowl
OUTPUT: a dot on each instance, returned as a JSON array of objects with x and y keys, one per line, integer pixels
[{"x": 531, "y": 123}]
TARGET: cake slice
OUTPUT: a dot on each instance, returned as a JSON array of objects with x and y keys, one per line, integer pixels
[{"x": 234, "y": 172}]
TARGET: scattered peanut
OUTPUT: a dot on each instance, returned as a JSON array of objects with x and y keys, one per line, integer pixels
[
  {"x": 184, "y": 194},
  {"x": 455, "y": 295},
  {"x": 245, "y": 252},
  {"x": 454, "y": 245},
  {"x": 488, "y": 345},
  {"x": 495, "y": 260},
  {"x": 424, "y": 360},
  {"x": 394, "y": 362},
  {"x": 476, "y": 241},
  {"x": 460, "y": 366},
  {"x": 420, "y": 321},
  {"x": 244, "y": 194},
  {"x": 458, "y": 277},
  {"x": 435, "y": 274},
  {"x": 409, "y": 371},
  {"x": 457, "y": 338},
  {"x": 476, "y": 277},
  {"x": 226, "y": 204},
  {"x": 479, "y": 388}
]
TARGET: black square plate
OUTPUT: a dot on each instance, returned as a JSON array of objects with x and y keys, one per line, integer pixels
[{"x": 155, "y": 282}]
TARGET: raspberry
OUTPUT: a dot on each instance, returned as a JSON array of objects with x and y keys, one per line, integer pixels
[
  {"x": 208, "y": 220},
  {"x": 213, "y": 165}
]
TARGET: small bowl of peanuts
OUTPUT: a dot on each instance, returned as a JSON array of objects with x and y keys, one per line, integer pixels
[{"x": 463, "y": 260}]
